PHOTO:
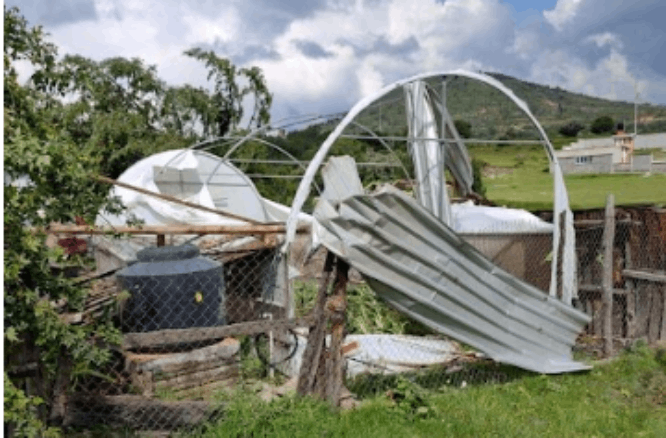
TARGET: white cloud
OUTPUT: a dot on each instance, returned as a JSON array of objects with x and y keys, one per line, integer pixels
[
  {"x": 604, "y": 39},
  {"x": 365, "y": 44},
  {"x": 610, "y": 78},
  {"x": 564, "y": 12}
]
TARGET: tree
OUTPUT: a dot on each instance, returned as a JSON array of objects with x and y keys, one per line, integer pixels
[
  {"x": 58, "y": 188},
  {"x": 227, "y": 98},
  {"x": 571, "y": 129},
  {"x": 464, "y": 128},
  {"x": 602, "y": 124}
]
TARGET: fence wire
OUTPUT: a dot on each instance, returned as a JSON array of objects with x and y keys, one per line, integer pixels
[{"x": 176, "y": 366}]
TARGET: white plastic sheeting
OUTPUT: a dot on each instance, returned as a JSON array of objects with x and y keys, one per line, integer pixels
[
  {"x": 468, "y": 218},
  {"x": 191, "y": 175},
  {"x": 187, "y": 174},
  {"x": 384, "y": 354}
]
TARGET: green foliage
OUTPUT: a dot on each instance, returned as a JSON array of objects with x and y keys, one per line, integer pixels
[
  {"x": 463, "y": 127},
  {"x": 571, "y": 129},
  {"x": 602, "y": 124},
  {"x": 366, "y": 312},
  {"x": 58, "y": 187},
  {"x": 21, "y": 412},
  {"x": 477, "y": 167},
  {"x": 225, "y": 110}
]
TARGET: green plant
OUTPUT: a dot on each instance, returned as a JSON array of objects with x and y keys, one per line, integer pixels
[
  {"x": 571, "y": 129},
  {"x": 602, "y": 124},
  {"x": 411, "y": 399}
]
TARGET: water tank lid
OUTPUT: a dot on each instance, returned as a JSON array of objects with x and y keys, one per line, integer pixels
[{"x": 167, "y": 253}]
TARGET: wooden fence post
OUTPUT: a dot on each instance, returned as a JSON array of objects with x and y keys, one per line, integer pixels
[{"x": 609, "y": 238}]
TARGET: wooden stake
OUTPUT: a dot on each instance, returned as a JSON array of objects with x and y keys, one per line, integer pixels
[
  {"x": 337, "y": 305},
  {"x": 317, "y": 335},
  {"x": 609, "y": 237}
]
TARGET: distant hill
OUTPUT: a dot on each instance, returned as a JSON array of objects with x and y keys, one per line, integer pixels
[{"x": 492, "y": 115}]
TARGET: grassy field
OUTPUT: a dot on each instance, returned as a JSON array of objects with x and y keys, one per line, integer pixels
[
  {"x": 622, "y": 398},
  {"x": 518, "y": 176}
]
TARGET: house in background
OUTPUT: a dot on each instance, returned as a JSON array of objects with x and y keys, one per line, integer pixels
[{"x": 612, "y": 154}]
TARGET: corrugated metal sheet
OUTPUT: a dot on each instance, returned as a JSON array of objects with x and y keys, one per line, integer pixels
[{"x": 424, "y": 269}]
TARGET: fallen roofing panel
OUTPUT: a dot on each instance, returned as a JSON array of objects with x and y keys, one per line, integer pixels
[{"x": 424, "y": 269}]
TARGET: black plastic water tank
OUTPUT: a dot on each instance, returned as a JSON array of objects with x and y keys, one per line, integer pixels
[{"x": 172, "y": 287}]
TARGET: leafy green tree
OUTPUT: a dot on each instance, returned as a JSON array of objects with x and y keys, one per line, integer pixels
[
  {"x": 571, "y": 129},
  {"x": 227, "y": 99},
  {"x": 56, "y": 188},
  {"x": 602, "y": 124}
]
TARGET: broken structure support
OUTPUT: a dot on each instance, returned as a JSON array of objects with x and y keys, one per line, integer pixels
[{"x": 322, "y": 369}]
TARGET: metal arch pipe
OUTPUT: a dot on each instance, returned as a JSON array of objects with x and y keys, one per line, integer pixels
[
  {"x": 561, "y": 202},
  {"x": 381, "y": 140},
  {"x": 274, "y": 146}
]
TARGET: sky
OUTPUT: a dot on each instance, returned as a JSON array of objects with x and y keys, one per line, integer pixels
[{"x": 322, "y": 56}]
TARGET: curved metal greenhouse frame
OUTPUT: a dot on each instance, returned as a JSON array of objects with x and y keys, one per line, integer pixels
[{"x": 563, "y": 218}]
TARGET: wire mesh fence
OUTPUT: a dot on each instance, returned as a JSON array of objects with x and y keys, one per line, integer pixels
[{"x": 203, "y": 321}]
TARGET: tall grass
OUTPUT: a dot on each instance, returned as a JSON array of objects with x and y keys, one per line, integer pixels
[{"x": 625, "y": 397}]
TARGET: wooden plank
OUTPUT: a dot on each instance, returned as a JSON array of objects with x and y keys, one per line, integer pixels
[
  {"x": 173, "y": 229},
  {"x": 174, "y": 200},
  {"x": 656, "y": 311},
  {"x": 656, "y": 276},
  {"x": 199, "y": 378},
  {"x": 662, "y": 336},
  {"x": 136, "y": 412},
  {"x": 317, "y": 335},
  {"x": 609, "y": 237},
  {"x": 175, "y": 362},
  {"x": 642, "y": 308},
  {"x": 631, "y": 309},
  {"x": 169, "y": 337}
]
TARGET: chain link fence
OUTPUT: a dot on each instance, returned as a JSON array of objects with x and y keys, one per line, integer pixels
[{"x": 223, "y": 314}]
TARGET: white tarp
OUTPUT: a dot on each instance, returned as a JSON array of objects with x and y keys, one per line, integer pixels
[
  {"x": 191, "y": 175},
  {"x": 468, "y": 218},
  {"x": 187, "y": 174}
]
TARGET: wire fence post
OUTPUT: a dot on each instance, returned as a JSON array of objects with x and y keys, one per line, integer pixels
[{"x": 609, "y": 237}]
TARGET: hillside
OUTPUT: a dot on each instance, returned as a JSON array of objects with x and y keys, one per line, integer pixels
[{"x": 492, "y": 115}]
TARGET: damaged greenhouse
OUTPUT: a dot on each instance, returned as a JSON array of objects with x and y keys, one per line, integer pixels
[{"x": 202, "y": 278}]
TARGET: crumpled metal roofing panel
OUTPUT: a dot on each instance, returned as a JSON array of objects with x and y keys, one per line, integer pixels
[{"x": 424, "y": 269}]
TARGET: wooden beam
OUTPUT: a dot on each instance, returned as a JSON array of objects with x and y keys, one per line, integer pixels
[
  {"x": 656, "y": 276},
  {"x": 163, "y": 338},
  {"x": 609, "y": 238},
  {"x": 173, "y": 229},
  {"x": 601, "y": 222},
  {"x": 174, "y": 200}
]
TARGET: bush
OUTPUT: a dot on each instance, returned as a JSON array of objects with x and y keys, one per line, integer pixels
[
  {"x": 602, "y": 124},
  {"x": 464, "y": 128},
  {"x": 571, "y": 129}
]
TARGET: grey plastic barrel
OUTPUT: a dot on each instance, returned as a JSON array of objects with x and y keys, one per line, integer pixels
[{"x": 172, "y": 287}]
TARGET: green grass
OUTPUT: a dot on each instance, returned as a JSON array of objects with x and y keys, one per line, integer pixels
[
  {"x": 528, "y": 183},
  {"x": 626, "y": 397}
]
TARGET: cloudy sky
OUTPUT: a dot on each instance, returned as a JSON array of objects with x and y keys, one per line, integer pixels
[{"x": 321, "y": 56}]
